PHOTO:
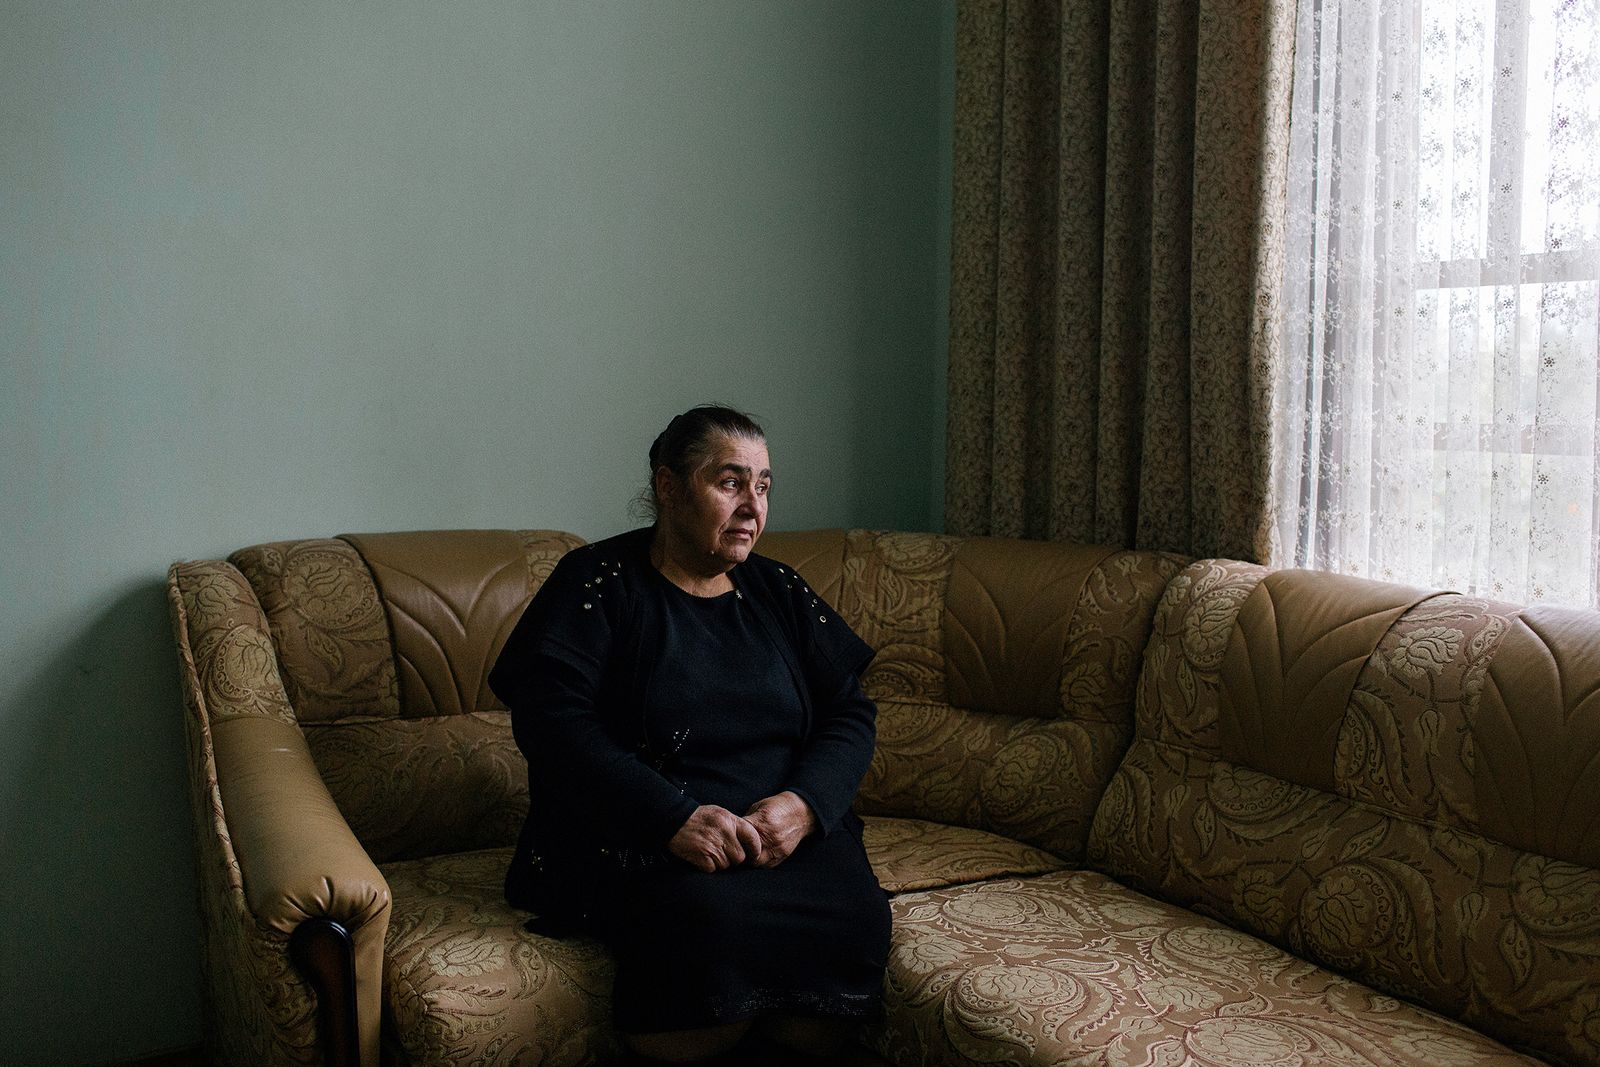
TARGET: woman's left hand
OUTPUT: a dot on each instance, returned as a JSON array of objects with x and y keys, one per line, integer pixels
[{"x": 783, "y": 821}]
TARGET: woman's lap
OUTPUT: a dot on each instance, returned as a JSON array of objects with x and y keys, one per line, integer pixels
[{"x": 808, "y": 937}]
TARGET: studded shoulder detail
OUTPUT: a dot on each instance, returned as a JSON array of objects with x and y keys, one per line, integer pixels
[
  {"x": 596, "y": 585},
  {"x": 792, "y": 580}
]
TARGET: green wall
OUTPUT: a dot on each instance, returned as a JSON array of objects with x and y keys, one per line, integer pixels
[{"x": 274, "y": 270}]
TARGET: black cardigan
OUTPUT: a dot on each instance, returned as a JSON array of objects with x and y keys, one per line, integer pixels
[{"x": 574, "y": 673}]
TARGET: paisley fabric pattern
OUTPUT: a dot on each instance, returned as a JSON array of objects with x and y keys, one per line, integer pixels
[
  {"x": 465, "y": 983},
  {"x": 236, "y": 667},
  {"x": 1180, "y": 676},
  {"x": 421, "y": 787},
  {"x": 328, "y": 626},
  {"x": 1072, "y": 968},
  {"x": 1388, "y": 877},
  {"x": 1406, "y": 744},
  {"x": 245, "y": 970},
  {"x": 1035, "y": 779},
  {"x": 1106, "y": 640},
  {"x": 909, "y": 854},
  {"x": 892, "y": 595},
  {"x": 544, "y": 549},
  {"x": 1399, "y": 875}
]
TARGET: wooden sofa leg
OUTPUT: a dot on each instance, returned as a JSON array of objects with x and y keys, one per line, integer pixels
[{"x": 323, "y": 951}]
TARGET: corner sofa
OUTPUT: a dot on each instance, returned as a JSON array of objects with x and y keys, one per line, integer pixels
[{"x": 1131, "y": 809}]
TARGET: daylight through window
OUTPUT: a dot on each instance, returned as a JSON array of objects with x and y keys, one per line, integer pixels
[{"x": 1437, "y": 397}]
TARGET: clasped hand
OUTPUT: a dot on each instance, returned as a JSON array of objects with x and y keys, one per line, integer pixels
[{"x": 714, "y": 838}]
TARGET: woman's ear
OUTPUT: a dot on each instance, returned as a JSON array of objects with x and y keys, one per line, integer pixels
[{"x": 665, "y": 485}]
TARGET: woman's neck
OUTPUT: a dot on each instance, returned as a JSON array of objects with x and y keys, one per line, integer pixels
[{"x": 683, "y": 574}]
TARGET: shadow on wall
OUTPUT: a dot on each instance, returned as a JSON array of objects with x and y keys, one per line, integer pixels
[{"x": 95, "y": 844}]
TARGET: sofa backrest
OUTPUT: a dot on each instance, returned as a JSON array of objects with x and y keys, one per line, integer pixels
[
  {"x": 384, "y": 642},
  {"x": 1005, "y": 670},
  {"x": 1398, "y": 784}
]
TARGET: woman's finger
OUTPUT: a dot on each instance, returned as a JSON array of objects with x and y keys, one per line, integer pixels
[
  {"x": 750, "y": 840},
  {"x": 732, "y": 848}
]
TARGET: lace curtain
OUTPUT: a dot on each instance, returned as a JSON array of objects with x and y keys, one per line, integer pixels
[{"x": 1436, "y": 415}]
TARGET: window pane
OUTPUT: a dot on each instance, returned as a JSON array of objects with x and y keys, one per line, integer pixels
[{"x": 1455, "y": 101}]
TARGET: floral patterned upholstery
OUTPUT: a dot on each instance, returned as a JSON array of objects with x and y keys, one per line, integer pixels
[
  {"x": 912, "y": 854},
  {"x": 423, "y": 787},
  {"x": 1004, "y": 676},
  {"x": 465, "y": 983},
  {"x": 229, "y": 673},
  {"x": 1072, "y": 968},
  {"x": 409, "y": 786},
  {"x": 285, "y": 654},
  {"x": 1395, "y": 785},
  {"x": 1398, "y": 871},
  {"x": 333, "y": 647}
]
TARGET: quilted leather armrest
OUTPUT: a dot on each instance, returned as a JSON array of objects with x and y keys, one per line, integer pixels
[{"x": 274, "y": 850}]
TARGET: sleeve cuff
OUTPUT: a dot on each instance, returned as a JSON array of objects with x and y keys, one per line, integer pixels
[
  {"x": 825, "y": 825},
  {"x": 661, "y": 830}
]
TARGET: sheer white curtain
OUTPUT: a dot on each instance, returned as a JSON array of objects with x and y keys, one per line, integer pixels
[{"x": 1436, "y": 403}]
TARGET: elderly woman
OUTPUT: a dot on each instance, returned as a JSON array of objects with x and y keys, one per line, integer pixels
[{"x": 695, "y": 733}]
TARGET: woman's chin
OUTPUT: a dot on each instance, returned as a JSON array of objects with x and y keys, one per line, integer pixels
[{"x": 736, "y": 549}]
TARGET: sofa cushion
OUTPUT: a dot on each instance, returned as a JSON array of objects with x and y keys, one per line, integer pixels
[
  {"x": 421, "y": 787},
  {"x": 1073, "y": 968},
  {"x": 909, "y": 854},
  {"x": 386, "y": 676},
  {"x": 1008, "y": 607},
  {"x": 328, "y": 626},
  {"x": 465, "y": 983},
  {"x": 1033, "y": 779}
]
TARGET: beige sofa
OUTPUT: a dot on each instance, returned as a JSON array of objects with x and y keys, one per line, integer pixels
[{"x": 1133, "y": 809}]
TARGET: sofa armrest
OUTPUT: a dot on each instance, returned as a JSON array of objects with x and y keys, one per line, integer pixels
[
  {"x": 298, "y": 858},
  {"x": 274, "y": 851}
]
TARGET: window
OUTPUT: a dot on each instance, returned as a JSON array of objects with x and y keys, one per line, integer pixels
[{"x": 1437, "y": 397}]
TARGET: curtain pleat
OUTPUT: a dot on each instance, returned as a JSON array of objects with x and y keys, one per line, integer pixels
[{"x": 1106, "y": 340}]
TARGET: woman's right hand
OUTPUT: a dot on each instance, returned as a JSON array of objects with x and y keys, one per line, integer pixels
[{"x": 714, "y": 839}]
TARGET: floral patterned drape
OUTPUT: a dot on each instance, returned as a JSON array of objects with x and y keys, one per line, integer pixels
[
  {"x": 1116, "y": 250},
  {"x": 1441, "y": 364}
]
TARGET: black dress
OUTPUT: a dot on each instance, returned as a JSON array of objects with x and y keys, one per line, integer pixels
[{"x": 636, "y": 702}]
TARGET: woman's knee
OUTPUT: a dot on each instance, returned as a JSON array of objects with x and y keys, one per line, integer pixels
[
  {"x": 812, "y": 1037},
  {"x": 688, "y": 1046}
]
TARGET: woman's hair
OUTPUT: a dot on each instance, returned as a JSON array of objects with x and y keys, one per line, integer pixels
[{"x": 685, "y": 446}]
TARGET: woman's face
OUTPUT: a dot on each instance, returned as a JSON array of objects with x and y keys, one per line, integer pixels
[{"x": 713, "y": 521}]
